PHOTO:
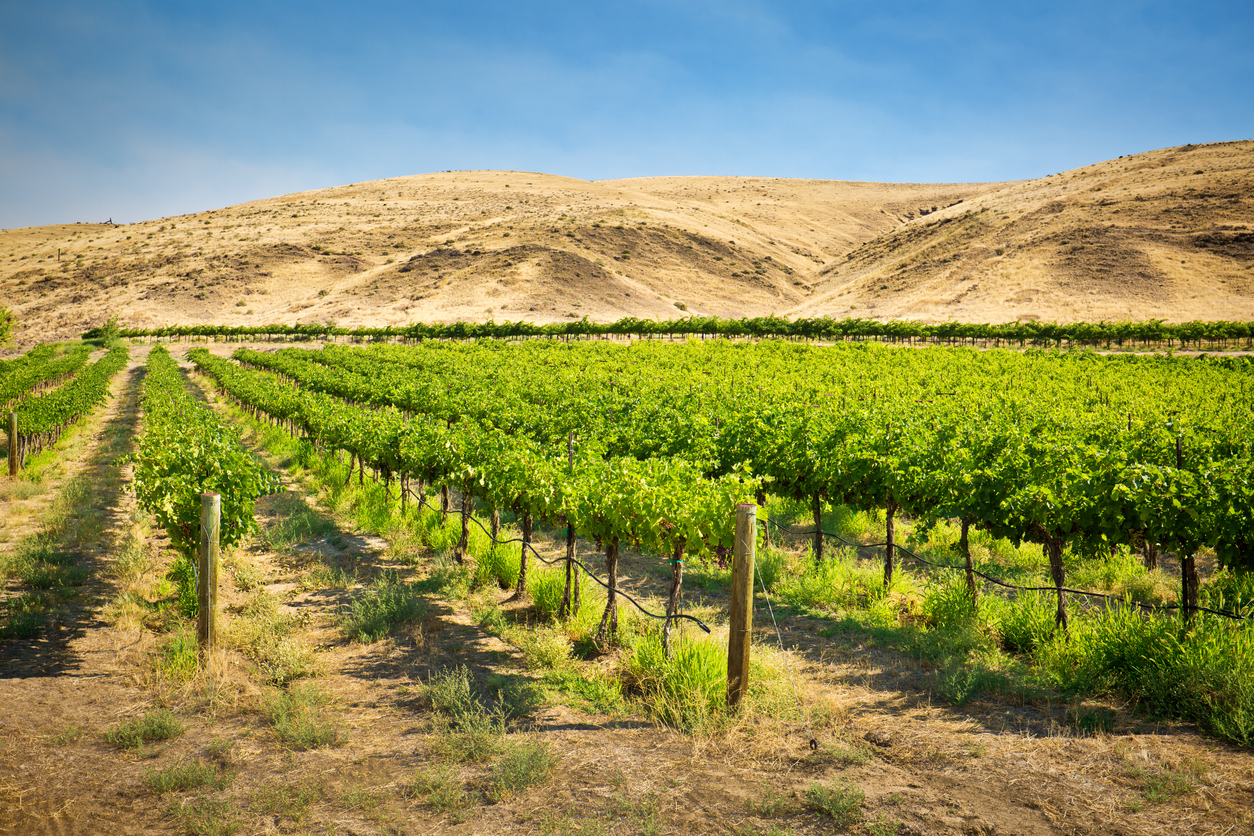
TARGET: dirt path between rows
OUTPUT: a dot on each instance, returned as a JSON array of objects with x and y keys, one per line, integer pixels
[{"x": 993, "y": 766}]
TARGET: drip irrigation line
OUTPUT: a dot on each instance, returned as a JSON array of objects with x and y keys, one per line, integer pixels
[
  {"x": 591, "y": 574},
  {"x": 814, "y": 744},
  {"x": 1016, "y": 587},
  {"x": 1145, "y": 607}
]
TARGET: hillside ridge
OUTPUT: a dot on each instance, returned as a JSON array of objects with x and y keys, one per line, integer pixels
[{"x": 1166, "y": 234}]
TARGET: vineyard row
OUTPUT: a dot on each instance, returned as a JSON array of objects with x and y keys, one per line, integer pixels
[
  {"x": 652, "y": 474},
  {"x": 1148, "y": 334}
]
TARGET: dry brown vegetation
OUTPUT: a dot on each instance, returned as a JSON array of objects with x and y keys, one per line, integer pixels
[{"x": 1167, "y": 234}]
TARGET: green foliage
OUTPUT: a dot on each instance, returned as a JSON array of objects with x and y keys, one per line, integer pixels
[
  {"x": 547, "y": 585},
  {"x": 471, "y": 738},
  {"x": 687, "y": 691},
  {"x": 184, "y": 452},
  {"x": 1026, "y": 623},
  {"x": 839, "y": 581},
  {"x": 1153, "y": 332},
  {"x": 44, "y": 363},
  {"x": 1205, "y": 674},
  {"x": 183, "y": 573},
  {"x": 42, "y": 417},
  {"x": 771, "y": 564},
  {"x": 112, "y": 331},
  {"x": 495, "y": 564},
  {"x": 663, "y": 450},
  {"x": 449, "y": 692},
  {"x": 963, "y": 680},
  {"x": 154, "y": 726},
  {"x": 883, "y": 826},
  {"x": 39, "y": 564},
  {"x": 23, "y": 616},
  {"x": 1232, "y": 591}
]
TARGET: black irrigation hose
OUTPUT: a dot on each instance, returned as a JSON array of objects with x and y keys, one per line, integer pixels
[
  {"x": 591, "y": 574},
  {"x": 1001, "y": 583}
]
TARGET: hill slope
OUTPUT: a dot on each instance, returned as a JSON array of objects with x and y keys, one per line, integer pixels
[{"x": 1166, "y": 234}]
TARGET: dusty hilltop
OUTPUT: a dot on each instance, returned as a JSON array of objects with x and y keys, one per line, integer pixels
[{"x": 1165, "y": 234}]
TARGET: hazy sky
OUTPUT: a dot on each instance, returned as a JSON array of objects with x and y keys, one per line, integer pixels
[{"x": 138, "y": 110}]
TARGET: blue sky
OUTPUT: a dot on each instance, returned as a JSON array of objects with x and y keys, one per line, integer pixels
[{"x": 138, "y": 110}]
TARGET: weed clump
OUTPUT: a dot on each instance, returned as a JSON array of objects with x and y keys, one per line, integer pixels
[
  {"x": 522, "y": 765},
  {"x": 468, "y": 731},
  {"x": 205, "y": 816},
  {"x": 154, "y": 726},
  {"x": 379, "y": 611},
  {"x": 265, "y": 634},
  {"x": 298, "y": 718},
  {"x": 840, "y": 801},
  {"x": 180, "y": 659},
  {"x": 187, "y": 776}
]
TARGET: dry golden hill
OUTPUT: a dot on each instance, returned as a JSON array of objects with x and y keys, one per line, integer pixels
[{"x": 1165, "y": 234}]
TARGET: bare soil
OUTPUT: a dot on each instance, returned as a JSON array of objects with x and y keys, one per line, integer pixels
[{"x": 992, "y": 766}]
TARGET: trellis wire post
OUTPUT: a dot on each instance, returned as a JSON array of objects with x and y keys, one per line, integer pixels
[
  {"x": 12, "y": 444},
  {"x": 740, "y": 624},
  {"x": 207, "y": 572}
]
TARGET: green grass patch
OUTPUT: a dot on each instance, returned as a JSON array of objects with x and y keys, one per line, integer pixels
[
  {"x": 1160, "y": 785},
  {"x": 192, "y": 775},
  {"x": 154, "y": 726},
  {"x": 841, "y": 801},
  {"x": 205, "y": 816},
  {"x": 70, "y": 733},
  {"x": 496, "y": 564},
  {"x": 266, "y": 634},
  {"x": 290, "y": 801},
  {"x": 546, "y": 585},
  {"x": 382, "y": 609},
  {"x": 299, "y": 717},
  {"x": 24, "y": 615},
  {"x": 440, "y": 788},
  {"x": 523, "y": 764},
  {"x": 687, "y": 691},
  {"x": 294, "y": 523},
  {"x": 179, "y": 657},
  {"x": 327, "y": 577},
  {"x": 467, "y": 729}
]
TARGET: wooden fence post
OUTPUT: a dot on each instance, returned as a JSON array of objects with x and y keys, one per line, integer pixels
[
  {"x": 207, "y": 573},
  {"x": 12, "y": 444},
  {"x": 740, "y": 623}
]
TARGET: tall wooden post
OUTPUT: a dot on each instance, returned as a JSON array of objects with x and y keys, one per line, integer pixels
[
  {"x": 570, "y": 595},
  {"x": 207, "y": 568},
  {"x": 1188, "y": 562},
  {"x": 740, "y": 624},
  {"x": 12, "y": 444},
  {"x": 818, "y": 528}
]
